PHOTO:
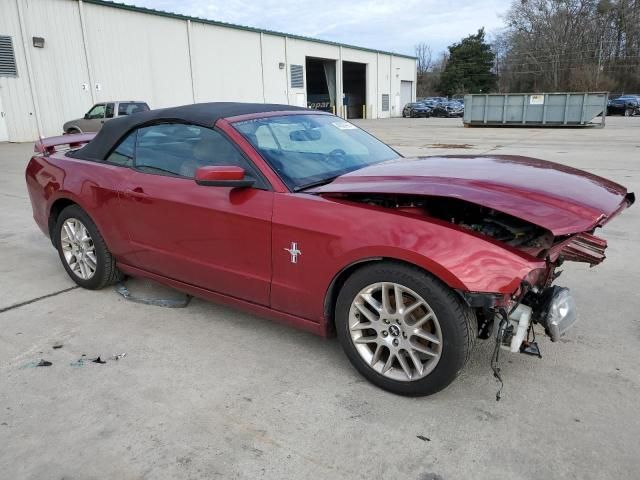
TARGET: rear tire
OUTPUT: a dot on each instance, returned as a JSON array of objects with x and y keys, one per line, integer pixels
[
  {"x": 82, "y": 250},
  {"x": 433, "y": 351}
]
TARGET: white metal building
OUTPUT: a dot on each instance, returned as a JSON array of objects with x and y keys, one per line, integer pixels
[{"x": 59, "y": 57}]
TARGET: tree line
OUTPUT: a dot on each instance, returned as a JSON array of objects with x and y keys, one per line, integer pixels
[{"x": 546, "y": 45}]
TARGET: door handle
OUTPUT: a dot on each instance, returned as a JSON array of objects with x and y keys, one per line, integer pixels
[{"x": 137, "y": 192}]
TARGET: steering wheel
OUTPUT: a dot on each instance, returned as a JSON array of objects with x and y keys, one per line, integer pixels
[{"x": 337, "y": 154}]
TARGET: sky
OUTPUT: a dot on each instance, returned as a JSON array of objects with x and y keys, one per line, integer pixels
[{"x": 391, "y": 25}]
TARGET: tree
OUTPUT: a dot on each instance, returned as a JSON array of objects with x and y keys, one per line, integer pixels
[
  {"x": 571, "y": 45},
  {"x": 469, "y": 68},
  {"x": 424, "y": 65}
]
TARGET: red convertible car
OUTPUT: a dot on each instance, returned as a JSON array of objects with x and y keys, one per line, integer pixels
[{"x": 301, "y": 216}]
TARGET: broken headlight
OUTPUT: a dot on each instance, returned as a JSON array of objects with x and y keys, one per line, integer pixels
[{"x": 558, "y": 312}]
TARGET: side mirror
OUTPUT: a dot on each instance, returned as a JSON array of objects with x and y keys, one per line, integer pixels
[
  {"x": 86, "y": 116},
  {"x": 222, "y": 176}
]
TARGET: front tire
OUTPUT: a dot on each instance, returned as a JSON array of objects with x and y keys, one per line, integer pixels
[
  {"x": 83, "y": 251},
  {"x": 403, "y": 330}
]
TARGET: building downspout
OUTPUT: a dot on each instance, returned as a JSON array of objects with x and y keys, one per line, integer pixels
[
  {"x": 375, "y": 109},
  {"x": 264, "y": 97},
  {"x": 190, "y": 47},
  {"x": 286, "y": 70},
  {"x": 341, "y": 109},
  {"x": 27, "y": 55},
  {"x": 85, "y": 49}
]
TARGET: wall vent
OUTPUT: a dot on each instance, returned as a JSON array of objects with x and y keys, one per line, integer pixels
[
  {"x": 297, "y": 76},
  {"x": 385, "y": 102},
  {"x": 7, "y": 58}
]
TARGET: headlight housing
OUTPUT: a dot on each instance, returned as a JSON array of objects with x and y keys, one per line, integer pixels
[{"x": 559, "y": 312}]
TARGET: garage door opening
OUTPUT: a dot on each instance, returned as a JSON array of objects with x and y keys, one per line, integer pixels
[
  {"x": 321, "y": 84},
  {"x": 406, "y": 93},
  {"x": 354, "y": 84}
]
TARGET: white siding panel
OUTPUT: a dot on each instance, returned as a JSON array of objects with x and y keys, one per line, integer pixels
[
  {"x": 16, "y": 96},
  {"x": 138, "y": 56},
  {"x": 141, "y": 56},
  {"x": 59, "y": 69},
  {"x": 384, "y": 84},
  {"x": 275, "y": 78},
  {"x": 226, "y": 64}
]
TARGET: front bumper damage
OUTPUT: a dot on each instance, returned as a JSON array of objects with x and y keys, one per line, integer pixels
[{"x": 511, "y": 321}]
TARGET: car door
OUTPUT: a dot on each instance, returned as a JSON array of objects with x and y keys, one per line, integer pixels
[
  {"x": 218, "y": 238},
  {"x": 94, "y": 118}
]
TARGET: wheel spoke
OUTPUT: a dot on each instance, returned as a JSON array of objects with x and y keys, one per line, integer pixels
[
  {"x": 376, "y": 355},
  {"x": 407, "y": 311},
  {"x": 386, "y": 301},
  {"x": 372, "y": 301},
  {"x": 430, "y": 337},
  {"x": 388, "y": 364},
  {"x": 405, "y": 365},
  {"x": 423, "y": 320},
  {"x": 366, "y": 312},
  {"x": 397, "y": 294},
  {"x": 68, "y": 231},
  {"x": 367, "y": 339},
  {"x": 362, "y": 326},
  {"x": 90, "y": 262},
  {"x": 423, "y": 349},
  {"x": 416, "y": 361}
]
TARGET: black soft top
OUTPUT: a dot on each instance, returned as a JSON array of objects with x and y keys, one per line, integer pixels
[{"x": 203, "y": 114}]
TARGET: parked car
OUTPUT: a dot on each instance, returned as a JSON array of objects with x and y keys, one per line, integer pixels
[
  {"x": 626, "y": 105},
  {"x": 101, "y": 112},
  {"x": 437, "y": 99},
  {"x": 414, "y": 110},
  {"x": 448, "y": 110},
  {"x": 301, "y": 216}
]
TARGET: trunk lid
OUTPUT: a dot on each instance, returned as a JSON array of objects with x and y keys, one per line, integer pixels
[{"x": 556, "y": 197}]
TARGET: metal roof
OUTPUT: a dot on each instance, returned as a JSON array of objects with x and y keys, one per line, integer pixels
[{"x": 161, "y": 13}]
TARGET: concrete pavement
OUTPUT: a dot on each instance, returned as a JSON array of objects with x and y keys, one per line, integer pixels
[{"x": 211, "y": 392}]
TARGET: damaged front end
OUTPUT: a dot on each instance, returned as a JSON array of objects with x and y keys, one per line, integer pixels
[{"x": 537, "y": 300}]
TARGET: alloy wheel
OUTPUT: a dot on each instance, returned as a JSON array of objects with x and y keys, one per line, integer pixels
[
  {"x": 395, "y": 331},
  {"x": 78, "y": 248}
]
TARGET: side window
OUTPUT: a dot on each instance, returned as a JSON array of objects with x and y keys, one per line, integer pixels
[
  {"x": 132, "y": 107},
  {"x": 124, "y": 153},
  {"x": 109, "y": 110},
  {"x": 96, "y": 112},
  {"x": 180, "y": 149}
]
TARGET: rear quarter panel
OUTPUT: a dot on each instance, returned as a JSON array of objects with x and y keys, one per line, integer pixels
[{"x": 91, "y": 185}]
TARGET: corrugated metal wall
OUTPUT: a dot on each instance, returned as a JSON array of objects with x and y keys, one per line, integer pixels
[{"x": 164, "y": 61}]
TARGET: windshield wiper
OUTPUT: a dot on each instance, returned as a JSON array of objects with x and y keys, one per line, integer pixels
[{"x": 315, "y": 184}]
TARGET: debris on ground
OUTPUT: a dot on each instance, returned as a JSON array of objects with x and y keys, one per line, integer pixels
[
  {"x": 148, "y": 297},
  {"x": 97, "y": 360},
  {"x": 423, "y": 438},
  {"x": 118, "y": 356},
  {"x": 37, "y": 363},
  {"x": 57, "y": 346}
]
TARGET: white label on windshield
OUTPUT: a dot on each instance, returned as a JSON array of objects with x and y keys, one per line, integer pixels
[{"x": 344, "y": 125}]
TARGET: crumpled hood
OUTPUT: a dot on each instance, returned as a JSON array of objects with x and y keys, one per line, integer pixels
[{"x": 561, "y": 199}]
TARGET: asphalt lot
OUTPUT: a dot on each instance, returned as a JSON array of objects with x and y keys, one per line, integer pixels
[{"x": 211, "y": 392}]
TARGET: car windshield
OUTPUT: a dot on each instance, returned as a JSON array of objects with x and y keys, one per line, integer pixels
[{"x": 311, "y": 150}]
